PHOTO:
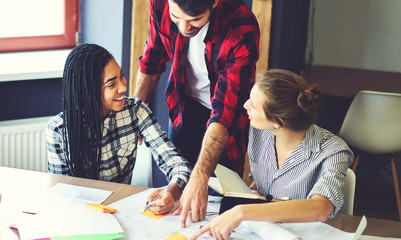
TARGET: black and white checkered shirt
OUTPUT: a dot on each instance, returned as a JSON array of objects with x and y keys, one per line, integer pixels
[{"x": 119, "y": 145}]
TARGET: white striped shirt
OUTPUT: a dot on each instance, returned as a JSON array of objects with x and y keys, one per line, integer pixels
[{"x": 317, "y": 166}]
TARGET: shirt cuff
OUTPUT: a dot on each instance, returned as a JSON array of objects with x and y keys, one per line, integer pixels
[
  {"x": 220, "y": 119},
  {"x": 180, "y": 183}
]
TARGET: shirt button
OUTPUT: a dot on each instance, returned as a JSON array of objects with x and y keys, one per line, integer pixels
[{"x": 205, "y": 51}]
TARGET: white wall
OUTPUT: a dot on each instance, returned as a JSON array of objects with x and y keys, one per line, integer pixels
[
  {"x": 363, "y": 34},
  {"x": 102, "y": 23}
]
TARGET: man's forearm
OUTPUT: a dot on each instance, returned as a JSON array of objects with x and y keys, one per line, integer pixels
[
  {"x": 213, "y": 145},
  {"x": 145, "y": 84}
]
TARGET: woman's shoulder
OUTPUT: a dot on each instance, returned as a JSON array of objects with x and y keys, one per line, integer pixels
[
  {"x": 55, "y": 122},
  {"x": 132, "y": 102},
  {"x": 329, "y": 140},
  {"x": 132, "y": 107}
]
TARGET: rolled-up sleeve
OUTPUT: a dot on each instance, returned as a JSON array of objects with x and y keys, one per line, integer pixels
[
  {"x": 154, "y": 56},
  {"x": 332, "y": 178}
]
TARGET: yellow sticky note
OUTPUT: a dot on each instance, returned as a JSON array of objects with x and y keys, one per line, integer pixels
[
  {"x": 176, "y": 236},
  {"x": 101, "y": 208},
  {"x": 152, "y": 215}
]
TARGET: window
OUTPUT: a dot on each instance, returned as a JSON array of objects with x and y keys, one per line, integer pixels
[{"x": 38, "y": 25}]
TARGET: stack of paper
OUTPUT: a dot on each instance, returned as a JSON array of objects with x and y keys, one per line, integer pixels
[
  {"x": 62, "y": 214},
  {"x": 301, "y": 231}
]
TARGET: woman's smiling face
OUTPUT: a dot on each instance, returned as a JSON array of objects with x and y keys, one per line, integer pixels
[{"x": 114, "y": 86}]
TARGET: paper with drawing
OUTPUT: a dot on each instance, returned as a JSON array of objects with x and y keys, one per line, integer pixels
[{"x": 138, "y": 226}]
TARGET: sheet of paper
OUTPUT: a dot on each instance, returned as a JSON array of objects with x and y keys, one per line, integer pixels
[
  {"x": 66, "y": 222},
  {"x": 62, "y": 211},
  {"x": 215, "y": 184},
  {"x": 230, "y": 181},
  {"x": 319, "y": 230},
  {"x": 304, "y": 231},
  {"x": 92, "y": 237},
  {"x": 268, "y": 230},
  {"x": 361, "y": 228},
  {"x": 137, "y": 226},
  {"x": 66, "y": 196}
]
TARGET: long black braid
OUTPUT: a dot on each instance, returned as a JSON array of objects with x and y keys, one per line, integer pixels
[{"x": 82, "y": 109}]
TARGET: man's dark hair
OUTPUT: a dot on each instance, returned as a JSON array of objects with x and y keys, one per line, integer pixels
[
  {"x": 194, "y": 7},
  {"x": 82, "y": 109}
]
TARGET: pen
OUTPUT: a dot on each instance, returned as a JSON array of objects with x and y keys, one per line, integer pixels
[{"x": 157, "y": 197}]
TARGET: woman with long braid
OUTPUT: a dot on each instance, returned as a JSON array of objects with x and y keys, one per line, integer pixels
[
  {"x": 290, "y": 157},
  {"x": 96, "y": 134}
]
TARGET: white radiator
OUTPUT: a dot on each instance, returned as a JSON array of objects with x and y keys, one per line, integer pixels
[{"x": 23, "y": 144}]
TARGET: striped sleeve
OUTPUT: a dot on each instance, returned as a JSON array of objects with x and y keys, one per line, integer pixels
[{"x": 332, "y": 177}]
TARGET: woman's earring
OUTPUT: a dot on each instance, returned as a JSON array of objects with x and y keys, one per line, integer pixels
[{"x": 274, "y": 126}]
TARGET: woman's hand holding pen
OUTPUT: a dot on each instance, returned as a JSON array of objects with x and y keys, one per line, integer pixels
[
  {"x": 160, "y": 201},
  {"x": 161, "y": 205}
]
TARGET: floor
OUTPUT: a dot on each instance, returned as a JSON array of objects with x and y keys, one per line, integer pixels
[{"x": 375, "y": 199}]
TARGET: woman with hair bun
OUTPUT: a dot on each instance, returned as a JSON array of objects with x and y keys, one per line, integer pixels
[{"x": 290, "y": 157}]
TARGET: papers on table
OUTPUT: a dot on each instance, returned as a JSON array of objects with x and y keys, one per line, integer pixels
[
  {"x": 302, "y": 231},
  {"x": 268, "y": 230},
  {"x": 62, "y": 212},
  {"x": 66, "y": 196},
  {"x": 138, "y": 226},
  {"x": 65, "y": 216},
  {"x": 74, "y": 222}
]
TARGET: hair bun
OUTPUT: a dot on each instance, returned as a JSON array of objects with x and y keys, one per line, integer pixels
[{"x": 308, "y": 100}]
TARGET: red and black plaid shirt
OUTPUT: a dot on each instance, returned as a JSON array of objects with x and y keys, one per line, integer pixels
[{"x": 232, "y": 46}]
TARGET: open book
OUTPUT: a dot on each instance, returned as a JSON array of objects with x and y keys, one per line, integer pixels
[{"x": 229, "y": 184}]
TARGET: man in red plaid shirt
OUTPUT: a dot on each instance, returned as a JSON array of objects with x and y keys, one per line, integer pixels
[{"x": 213, "y": 45}]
